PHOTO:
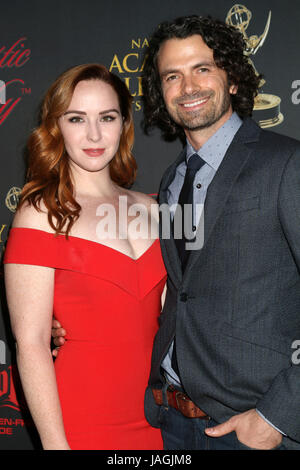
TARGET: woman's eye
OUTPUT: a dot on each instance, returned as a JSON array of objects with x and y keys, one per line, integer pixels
[
  {"x": 107, "y": 118},
  {"x": 75, "y": 119}
]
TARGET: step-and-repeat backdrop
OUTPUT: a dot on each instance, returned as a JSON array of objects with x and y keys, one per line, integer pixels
[{"x": 41, "y": 39}]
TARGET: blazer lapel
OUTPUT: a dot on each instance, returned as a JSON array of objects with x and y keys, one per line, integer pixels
[
  {"x": 220, "y": 188},
  {"x": 169, "y": 250}
]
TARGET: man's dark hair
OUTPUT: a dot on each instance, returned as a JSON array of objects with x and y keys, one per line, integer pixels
[{"x": 228, "y": 48}]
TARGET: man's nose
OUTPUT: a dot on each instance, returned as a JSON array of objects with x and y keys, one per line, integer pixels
[{"x": 189, "y": 84}]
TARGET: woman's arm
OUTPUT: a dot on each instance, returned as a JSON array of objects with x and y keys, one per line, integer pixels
[{"x": 30, "y": 301}]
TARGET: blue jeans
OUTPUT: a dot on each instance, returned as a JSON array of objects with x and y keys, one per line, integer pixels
[{"x": 181, "y": 433}]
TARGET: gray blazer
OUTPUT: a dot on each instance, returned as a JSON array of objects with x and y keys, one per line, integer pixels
[{"x": 236, "y": 309}]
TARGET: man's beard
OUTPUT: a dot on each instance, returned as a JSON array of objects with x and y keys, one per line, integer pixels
[{"x": 200, "y": 119}]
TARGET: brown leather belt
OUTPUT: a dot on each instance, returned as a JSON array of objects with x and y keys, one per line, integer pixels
[{"x": 180, "y": 401}]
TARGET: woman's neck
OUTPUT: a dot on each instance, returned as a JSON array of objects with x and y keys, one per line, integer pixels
[{"x": 93, "y": 184}]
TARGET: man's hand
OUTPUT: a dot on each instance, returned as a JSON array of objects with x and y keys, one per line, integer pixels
[
  {"x": 251, "y": 430},
  {"x": 58, "y": 334}
]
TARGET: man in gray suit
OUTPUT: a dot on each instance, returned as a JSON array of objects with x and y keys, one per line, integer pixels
[{"x": 222, "y": 374}]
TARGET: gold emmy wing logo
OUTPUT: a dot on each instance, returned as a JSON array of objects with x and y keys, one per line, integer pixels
[
  {"x": 266, "y": 106},
  {"x": 12, "y": 198}
]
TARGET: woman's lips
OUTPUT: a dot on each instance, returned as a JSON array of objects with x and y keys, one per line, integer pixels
[{"x": 94, "y": 152}]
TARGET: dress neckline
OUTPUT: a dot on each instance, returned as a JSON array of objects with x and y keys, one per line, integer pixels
[{"x": 91, "y": 241}]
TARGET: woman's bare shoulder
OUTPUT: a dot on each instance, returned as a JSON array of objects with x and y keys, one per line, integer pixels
[{"x": 27, "y": 216}]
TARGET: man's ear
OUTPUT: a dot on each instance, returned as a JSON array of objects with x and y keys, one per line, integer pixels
[{"x": 233, "y": 89}]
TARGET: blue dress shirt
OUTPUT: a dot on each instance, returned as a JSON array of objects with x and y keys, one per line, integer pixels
[{"x": 212, "y": 152}]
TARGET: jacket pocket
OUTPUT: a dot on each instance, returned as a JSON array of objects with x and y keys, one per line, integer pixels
[
  {"x": 252, "y": 360},
  {"x": 241, "y": 205},
  {"x": 258, "y": 338}
]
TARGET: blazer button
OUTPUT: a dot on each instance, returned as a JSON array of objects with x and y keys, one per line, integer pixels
[{"x": 183, "y": 297}]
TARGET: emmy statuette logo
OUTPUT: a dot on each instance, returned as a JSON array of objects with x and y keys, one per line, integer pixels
[
  {"x": 12, "y": 198},
  {"x": 266, "y": 106}
]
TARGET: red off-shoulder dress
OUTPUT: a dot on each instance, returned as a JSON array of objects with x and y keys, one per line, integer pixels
[{"x": 109, "y": 305}]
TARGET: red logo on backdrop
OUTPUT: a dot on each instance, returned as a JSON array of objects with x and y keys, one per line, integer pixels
[
  {"x": 13, "y": 56},
  {"x": 12, "y": 397},
  {"x": 9, "y": 389}
]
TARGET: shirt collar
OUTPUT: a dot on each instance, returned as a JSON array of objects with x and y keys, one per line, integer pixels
[{"x": 214, "y": 149}]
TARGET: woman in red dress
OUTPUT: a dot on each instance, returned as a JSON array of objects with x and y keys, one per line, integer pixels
[{"x": 82, "y": 249}]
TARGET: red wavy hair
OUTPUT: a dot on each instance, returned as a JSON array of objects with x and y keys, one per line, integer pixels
[{"x": 48, "y": 173}]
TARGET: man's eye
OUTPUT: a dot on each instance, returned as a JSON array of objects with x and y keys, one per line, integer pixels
[{"x": 171, "y": 78}]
